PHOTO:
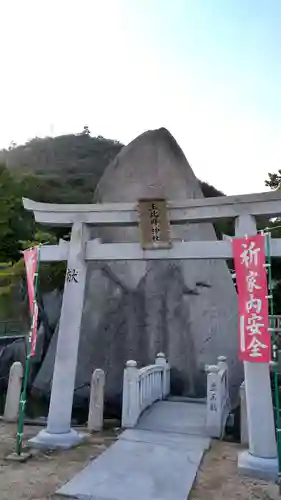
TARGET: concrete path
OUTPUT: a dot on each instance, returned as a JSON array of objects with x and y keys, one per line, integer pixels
[{"x": 156, "y": 461}]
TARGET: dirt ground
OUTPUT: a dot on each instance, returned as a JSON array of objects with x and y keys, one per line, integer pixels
[
  {"x": 218, "y": 478},
  {"x": 43, "y": 474}
]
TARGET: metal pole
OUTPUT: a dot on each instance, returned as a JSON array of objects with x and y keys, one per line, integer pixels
[
  {"x": 275, "y": 357},
  {"x": 27, "y": 365}
]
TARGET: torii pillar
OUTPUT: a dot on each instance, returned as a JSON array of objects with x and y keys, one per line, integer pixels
[
  {"x": 58, "y": 433},
  {"x": 261, "y": 459}
]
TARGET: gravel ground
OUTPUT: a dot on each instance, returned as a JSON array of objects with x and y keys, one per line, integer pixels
[
  {"x": 44, "y": 473},
  {"x": 218, "y": 478}
]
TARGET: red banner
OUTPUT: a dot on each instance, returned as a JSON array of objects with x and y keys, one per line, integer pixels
[
  {"x": 31, "y": 259},
  {"x": 251, "y": 280}
]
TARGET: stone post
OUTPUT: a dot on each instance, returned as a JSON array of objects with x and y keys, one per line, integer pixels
[
  {"x": 161, "y": 361},
  {"x": 95, "y": 417},
  {"x": 214, "y": 414},
  {"x": 11, "y": 411},
  {"x": 260, "y": 460},
  {"x": 243, "y": 416},
  {"x": 130, "y": 403},
  {"x": 58, "y": 433}
]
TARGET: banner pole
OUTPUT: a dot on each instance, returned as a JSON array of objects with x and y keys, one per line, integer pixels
[
  {"x": 275, "y": 356},
  {"x": 27, "y": 363}
]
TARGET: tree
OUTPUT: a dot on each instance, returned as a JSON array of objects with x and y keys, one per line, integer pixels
[
  {"x": 15, "y": 223},
  {"x": 274, "y": 181},
  {"x": 12, "y": 145},
  {"x": 13, "y": 286},
  {"x": 86, "y": 130}
]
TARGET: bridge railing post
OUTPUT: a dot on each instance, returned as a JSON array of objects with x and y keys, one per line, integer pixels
[
  {"x": 223, "y": 366},
  {"x": 214, "y": 403},
  {"x": 161, "y": 361},
  {"x": 222, "y": 363},
  {"x": 130, "y": 403}
]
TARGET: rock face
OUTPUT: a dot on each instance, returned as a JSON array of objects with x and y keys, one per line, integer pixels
[{"x": 187, "y": 309}]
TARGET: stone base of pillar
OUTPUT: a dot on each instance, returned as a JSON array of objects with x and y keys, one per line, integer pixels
[
  {"x": 260, "y": 468},
  {"x": 46, "y": 440}
]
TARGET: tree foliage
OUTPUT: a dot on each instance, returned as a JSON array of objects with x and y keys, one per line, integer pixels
[
  {"x": 16, "y": 224},
  {"x": 274, "y": 180}
]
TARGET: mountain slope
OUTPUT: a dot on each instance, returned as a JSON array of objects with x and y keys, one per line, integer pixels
[{"x": 68, "y": 167}]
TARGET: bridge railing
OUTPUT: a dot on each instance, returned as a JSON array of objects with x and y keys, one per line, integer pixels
[
  {"x": 142, "y": 387},
  {"x": 218, "y": 401}
]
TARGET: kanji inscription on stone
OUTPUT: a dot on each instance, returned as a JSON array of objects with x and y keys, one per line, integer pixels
[
  {"x": 72, "y": 276},
  {"x": 213, "y": 397},
  {"x": 154, "y": 224}
]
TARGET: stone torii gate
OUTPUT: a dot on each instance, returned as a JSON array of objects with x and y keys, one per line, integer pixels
[{"x": 262, "y": 452}]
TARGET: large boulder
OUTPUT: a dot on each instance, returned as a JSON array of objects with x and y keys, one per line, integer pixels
[{"x": 132, "y": 310}]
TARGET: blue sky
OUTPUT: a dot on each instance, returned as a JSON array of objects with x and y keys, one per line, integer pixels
[{"x": 208, "y": 70}]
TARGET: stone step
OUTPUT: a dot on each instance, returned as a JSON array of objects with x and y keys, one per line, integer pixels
[
  {"x": 188, "y": 442},
  {"x": 184, "y": 399}
]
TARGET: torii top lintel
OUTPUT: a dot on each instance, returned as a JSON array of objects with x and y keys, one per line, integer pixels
[{"x": 126, "y": 214}]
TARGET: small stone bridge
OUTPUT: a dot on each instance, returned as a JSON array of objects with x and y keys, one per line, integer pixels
[{"x": 158, "y": 455}]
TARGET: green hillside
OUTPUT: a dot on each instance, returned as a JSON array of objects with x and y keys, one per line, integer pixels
[{"x": 67, "y": 168}]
